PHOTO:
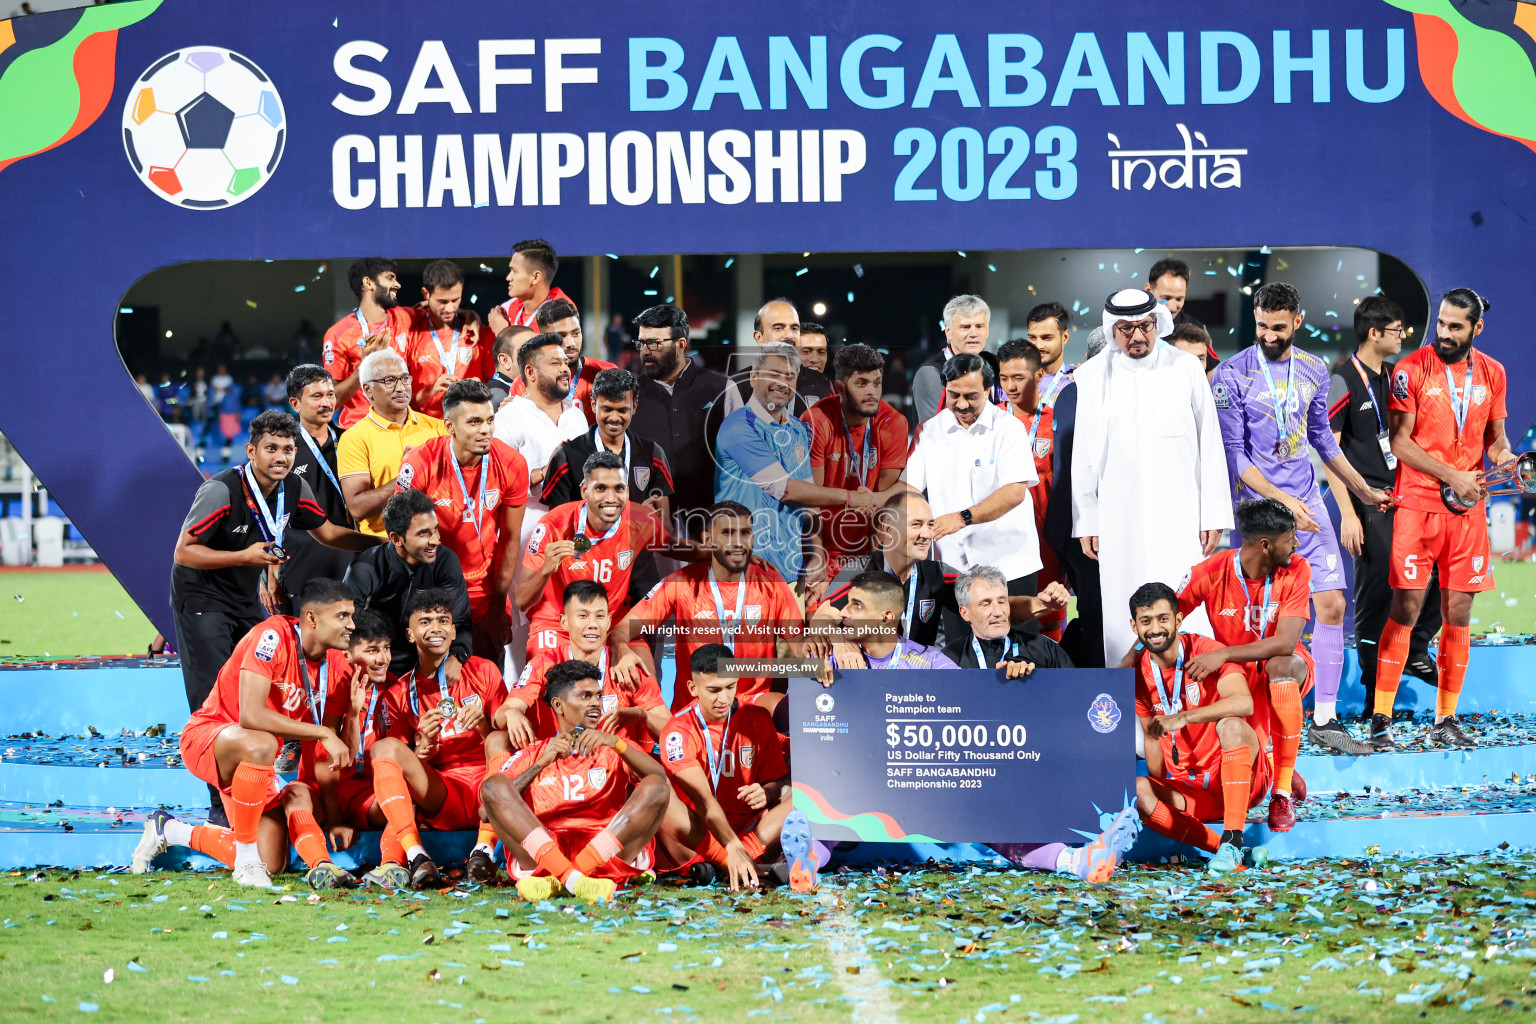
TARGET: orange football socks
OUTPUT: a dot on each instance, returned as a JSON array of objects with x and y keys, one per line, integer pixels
[
  {"x": 216, "y": 842},
  {"x": 1236, "y": 782},
  {"x": 1455, "y": 645},
  {"x": 248, "y": 793},
  {"x": 1285, "y": 698},
  {"x": 307, "y": 838},
  {"x": 546, "y": 853},
  {"x": 395, "y": 801},
  {"x": 604, "y": 847},
  {"x": 390, "y": 850},
  {"x": 1183, "y": 828},
  {"x": 1390, "y": 656}
]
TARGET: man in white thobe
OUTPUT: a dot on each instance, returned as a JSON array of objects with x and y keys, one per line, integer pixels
[{"x": 1150, "y": 495}]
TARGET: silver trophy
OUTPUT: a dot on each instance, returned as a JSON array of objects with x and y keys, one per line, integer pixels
[{"x": 1518, "y": 476}]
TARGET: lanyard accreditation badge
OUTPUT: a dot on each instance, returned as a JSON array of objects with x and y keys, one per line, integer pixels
[
  {"x": 1383, "y": 439},
  {"x": 598, "y": 445}
]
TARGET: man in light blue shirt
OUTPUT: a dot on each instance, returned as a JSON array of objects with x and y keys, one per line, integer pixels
[{"x": 763, "y": 461}]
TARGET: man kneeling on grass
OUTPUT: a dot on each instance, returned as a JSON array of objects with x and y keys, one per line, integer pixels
[
  {"x": 584, "y": 790},
  {"x": 288, "y": 679},
  {"x": 1204, "y": 735}
]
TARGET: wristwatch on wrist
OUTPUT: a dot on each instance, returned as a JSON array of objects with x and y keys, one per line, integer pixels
[{"x": 965, "y": 517}]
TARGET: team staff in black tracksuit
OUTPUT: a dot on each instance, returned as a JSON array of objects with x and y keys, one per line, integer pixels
[
  {"x": 1357, "y": 409},
  {"x": 222, "y": 580},
  {"x": 312, "y": 396}
]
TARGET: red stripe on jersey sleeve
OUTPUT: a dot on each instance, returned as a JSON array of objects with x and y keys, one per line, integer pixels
[
  {"x": 549, "y": 481},
  {"x": 206, "y": 523},
  {"x": 837, "y": 595}
]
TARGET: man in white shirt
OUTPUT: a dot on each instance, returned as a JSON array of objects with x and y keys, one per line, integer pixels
[
  {"x": 537, "y": 422},
  {"x": 973, "y": 460},
  {"x": 542, "y": 418},
  {"x": 1150, "y": 495}
]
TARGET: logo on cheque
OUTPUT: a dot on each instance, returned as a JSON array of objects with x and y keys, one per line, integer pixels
[{"x": 1103, "y": 713}]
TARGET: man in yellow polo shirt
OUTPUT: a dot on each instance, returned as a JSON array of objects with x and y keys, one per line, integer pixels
[{"x": 370, "y": 452}]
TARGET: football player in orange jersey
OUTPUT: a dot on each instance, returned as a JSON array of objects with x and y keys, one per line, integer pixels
[
  {"x": 1447, "y": 409},
  {"x": 585, "y": 790},
  {"x": 439, "y": 771},
  {"x": 447, "y": 342},
  {"x": 1201, "y": 732},
  {"x": 287, "y": 679},
  {"x": 633, "y": 709},
  {"x": 728, "y": 763},
  {"x": 1258, "y": 601}
]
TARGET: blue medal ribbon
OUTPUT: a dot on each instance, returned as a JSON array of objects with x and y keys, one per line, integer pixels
[
  {"x": 866, "y": 450},
  {"x": 981, "y": 661},
  {"x": 1010, "y": 647},
  {"x": 1281, "y": 413},
  {"x": 367, "y": 730},
  {"x": 1174, "y": 705},
  {"x": 316, "y": 711},
  {"x": 450, "y": 358},
  {"x": 581, "y": 526},
  {"x": 906, "y": 620},
  {"x": 472, "y": 509},
  {"x": 270, "y": 524},
  {"x": 716, "y": 761},
  {"x": 1046, "y": 403},
  {"x": 1461, "y": 404},
  {"x": 602, "y": 661},
  {"x": 727, "y": 633},
  {"x": 442, "y": 687},
  {"x": 1237, "y": 568}
]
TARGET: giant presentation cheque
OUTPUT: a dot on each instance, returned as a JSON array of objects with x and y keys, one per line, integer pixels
[{"x": 962, "y": 756}]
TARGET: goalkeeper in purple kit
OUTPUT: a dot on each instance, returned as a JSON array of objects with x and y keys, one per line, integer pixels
[
  {"x": 1272, "y": 403},
  {"x": 872, "y": 622}
]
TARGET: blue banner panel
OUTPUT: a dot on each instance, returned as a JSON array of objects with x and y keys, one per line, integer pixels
[
  {"x": 138, "y": 135},
  {"x": 962, "y": 756}
]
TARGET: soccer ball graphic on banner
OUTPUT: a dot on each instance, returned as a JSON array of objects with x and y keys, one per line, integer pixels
[{"x": 204, "y": 128}]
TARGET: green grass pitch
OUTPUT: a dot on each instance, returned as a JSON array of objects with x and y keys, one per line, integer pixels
[{"x": 1376, "y": 939}]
